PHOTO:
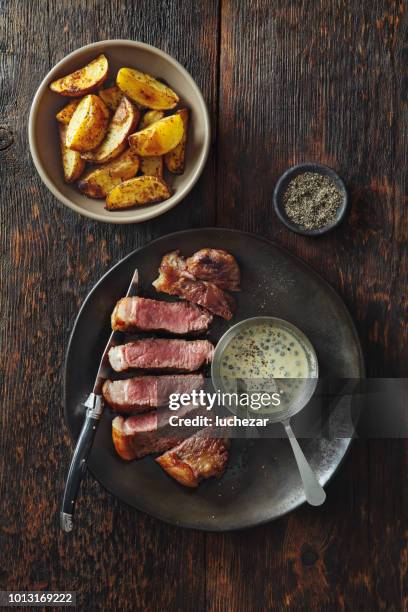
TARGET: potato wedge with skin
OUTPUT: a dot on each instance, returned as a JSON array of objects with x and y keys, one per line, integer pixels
[
  {"x": 137, "y": 192},
  {"x": 146, "y": 90},
  {"x": 111, "y": 96},
  {"x": 149, "y": 118},
  {"x": 174, "y": 159},
  {"x": 123, "y": 123},
  {"x": 158, "y": 138},
  {"x": 98, "y": 182},
  {"x": 152, "y": 166},
  {"x": 88, "y": 124},
  {"x": 84, "y": 80},
  {"x": 65, "y": 114},
  {"x": 72, "y": 163}
]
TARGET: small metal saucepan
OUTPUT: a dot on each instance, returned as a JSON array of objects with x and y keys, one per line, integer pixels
[{"x": 314, "y": 492}]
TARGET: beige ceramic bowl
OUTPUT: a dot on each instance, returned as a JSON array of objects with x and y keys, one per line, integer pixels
[{"x": 43, "y": 133}]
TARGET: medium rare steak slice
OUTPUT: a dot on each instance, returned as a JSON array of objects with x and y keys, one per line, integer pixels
[
  {"x": 146, "y": 392},
  {"x": 196, "y": 458},
  {"x": 143, "y": 434},
  {"x": 161, "y": 354},
  {"x": 216, "y": 266},
  {"x": 175, "y": 279},
  {"x": 138, "y": 436},
  {"x": 142, "y": 314}
]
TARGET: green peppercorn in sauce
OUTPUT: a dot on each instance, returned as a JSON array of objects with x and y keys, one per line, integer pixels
[{"x": 268, "y": 357}]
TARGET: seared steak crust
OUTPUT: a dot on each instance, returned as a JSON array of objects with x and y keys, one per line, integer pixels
[
  {"x": 216, "y": 266},
  {"x": 175, "y": 279},
  {"x": 196, "y": 458}
]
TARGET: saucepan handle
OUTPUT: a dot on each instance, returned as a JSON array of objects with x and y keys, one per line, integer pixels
[{"x": 315, "y": 494}]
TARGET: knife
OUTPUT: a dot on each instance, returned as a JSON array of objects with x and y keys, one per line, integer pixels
[{"x": 94, "y": 409}]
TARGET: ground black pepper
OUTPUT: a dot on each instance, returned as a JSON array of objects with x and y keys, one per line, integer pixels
[{"x": 311, "y": 200}]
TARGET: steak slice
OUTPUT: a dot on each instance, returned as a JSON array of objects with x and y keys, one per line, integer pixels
[
  {"x": 146, "y": 392},
  {"x": 161, "y": 354},
  {"x": 196, "y": 458},
  {"x": 216, "y": 266},
  {"x": 138, "y": 436},
  {"x": 142, "y": 314},
  {"x": 175, "y": 279},
  {"x": 143, "y": 434}
]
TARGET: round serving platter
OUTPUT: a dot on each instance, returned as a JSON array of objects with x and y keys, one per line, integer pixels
[{"x": 262, "y": 481}]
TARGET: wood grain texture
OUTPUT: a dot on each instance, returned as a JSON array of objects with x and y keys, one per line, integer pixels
[
  {"x": 324, "y": 81},
  {"x": 285, "y": 82},
  {"x": 51, "y": 257}
]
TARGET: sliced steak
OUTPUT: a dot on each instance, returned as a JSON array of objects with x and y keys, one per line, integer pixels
[
  {"x": 146, "y": 392},
  {"x": 143, "y": 434},
  {"x": 142, "y": 314},
  {"x": 216, "y": 266},
  {"x": 161, "y": 354},
  {"x": 175, "y": 279},
  {"x": 138, "y": 436},
  {"x": 196, "y": 458},
  {"x": 205, "y": 294}
]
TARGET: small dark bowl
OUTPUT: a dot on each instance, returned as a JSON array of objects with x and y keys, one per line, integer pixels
[{"x": 282, "y": 184}]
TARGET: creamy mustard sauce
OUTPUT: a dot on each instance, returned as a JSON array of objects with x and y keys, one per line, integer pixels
[{"x": 267, "y": 357}]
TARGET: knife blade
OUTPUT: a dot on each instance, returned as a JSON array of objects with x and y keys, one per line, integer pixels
[
  {"x": 94, "y": 410},
  {"x": 114, "y": 339}
]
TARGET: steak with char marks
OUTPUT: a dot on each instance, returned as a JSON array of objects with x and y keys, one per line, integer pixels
[
  {"x": 196, "y": 458},
  {"x": 216, "y": 266},
  {"x": 175, "y": 279}
]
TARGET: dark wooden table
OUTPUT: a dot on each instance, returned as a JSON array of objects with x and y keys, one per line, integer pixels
[{"x": 285, "y": 81}]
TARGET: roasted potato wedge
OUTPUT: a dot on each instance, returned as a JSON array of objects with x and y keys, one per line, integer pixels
[
  {"x": 174, "y": 159},
  {"x": 137, "y": 192},
  {"x": 65, "y": 114},
  {"x": 123, "y": 123},
  {"x": 97, "y": 183},
  {"x": 84, "y": 80},
  {"x": 152, "y": 166},
  {"x": 158, "y": 138},
  {"x": 72, "y": 163},
  {"x": 149, "y": 118},
  {"x": 88, "y": 124},
  {"x": 145, "y": 90},
  {"x": 111, "y": 96}
]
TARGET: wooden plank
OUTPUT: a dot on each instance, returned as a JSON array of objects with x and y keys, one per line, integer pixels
[
  {"x": 307, "y": 76},
  {"x": 51, "y": 257},
  {"x": 323, "y": 81}
]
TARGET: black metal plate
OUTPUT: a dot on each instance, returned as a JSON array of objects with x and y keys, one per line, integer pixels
[{"x": 262, "y": 481}]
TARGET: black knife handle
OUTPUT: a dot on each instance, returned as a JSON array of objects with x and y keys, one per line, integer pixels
[{"x": 77, "y": 469}]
